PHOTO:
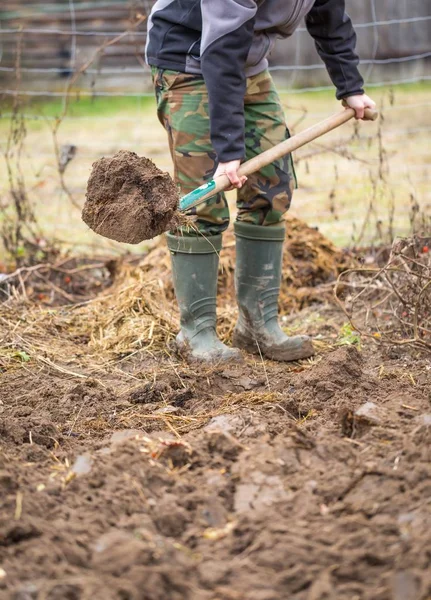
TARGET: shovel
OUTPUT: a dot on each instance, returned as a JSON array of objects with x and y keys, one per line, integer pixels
[
  {"x": 130, "y": 200},
  {"x": 205, "y": 191}
]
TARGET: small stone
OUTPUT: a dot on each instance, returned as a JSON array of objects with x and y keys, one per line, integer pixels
[
  {"x": 225, "y": 423},
  {"x": 405, "y": 586},
  {"x": 370, "y": 412},
  {"x": 82, "y": 465},
  {"x": 247, "y": 383},
  {"x": 122, "y": 435},
  {"x": 424, "y": 419},
  {"x": 259, "y": 492}
]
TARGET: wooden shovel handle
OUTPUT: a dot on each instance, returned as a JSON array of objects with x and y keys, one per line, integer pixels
[
  {"x": 300, "y": 139},
  {"x": 222, "y": 182},
  {"x": 293, "y": 143}
]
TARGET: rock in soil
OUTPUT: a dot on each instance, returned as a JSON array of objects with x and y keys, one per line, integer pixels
[{"x": 129, "y": 199}]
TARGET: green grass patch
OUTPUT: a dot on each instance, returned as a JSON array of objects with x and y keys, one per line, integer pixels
[
  {"x": 87, "y": 106},
  {"x": 84, "y": 106}
]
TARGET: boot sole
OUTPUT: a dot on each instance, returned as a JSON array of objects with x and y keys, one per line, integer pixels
[
  {"x": 279, "y": 354},
  {"x": 186, "y": 353}
]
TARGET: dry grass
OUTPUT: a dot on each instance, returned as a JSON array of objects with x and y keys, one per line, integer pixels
[
  {"x": 122, "y": 337},
  {"x": 137, "y": 314},
  {"x": 393, "y": 302}
]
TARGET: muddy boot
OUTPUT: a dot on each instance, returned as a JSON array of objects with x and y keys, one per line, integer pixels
[
  {"x": 257, "y": 281},
  {"x": 194, "y": 271}
]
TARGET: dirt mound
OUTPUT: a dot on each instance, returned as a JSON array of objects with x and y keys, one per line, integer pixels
[
  {"x": 129, "y": 199},
  {"x": 341, "y": 369},
  {"x": 137, "y": 309},
  {"x": 310, "y": 260},
  {"x": 145, "y": 308}
]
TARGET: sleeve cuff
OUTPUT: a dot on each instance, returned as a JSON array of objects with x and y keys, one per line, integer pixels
[
  {"x": 228, "y": 156},
  {"x": 341, "y": 95}
]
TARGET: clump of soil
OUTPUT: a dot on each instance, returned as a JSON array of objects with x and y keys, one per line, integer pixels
[{"x": 129, "y": 199}]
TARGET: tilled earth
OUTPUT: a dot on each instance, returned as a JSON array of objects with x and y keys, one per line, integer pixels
[{"x": 247, "y": 482}]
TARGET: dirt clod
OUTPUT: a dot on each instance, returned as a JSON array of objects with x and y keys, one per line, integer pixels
[{"x": 129, "y": 199}]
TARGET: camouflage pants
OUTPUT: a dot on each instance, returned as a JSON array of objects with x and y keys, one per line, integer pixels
[{"x": 182, "y": 108}]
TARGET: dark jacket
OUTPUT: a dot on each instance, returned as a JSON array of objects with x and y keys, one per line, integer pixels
[{"x": 229, "y": 40}]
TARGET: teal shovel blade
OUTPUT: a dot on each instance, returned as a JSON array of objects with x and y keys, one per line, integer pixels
[{"x": 193, "y": 198}]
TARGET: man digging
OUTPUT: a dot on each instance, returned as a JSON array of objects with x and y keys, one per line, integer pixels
[{"x": 219, "y": 106}]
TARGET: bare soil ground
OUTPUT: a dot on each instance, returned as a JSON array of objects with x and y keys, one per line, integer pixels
[
  {"x": 315, "y": 486},
  {"x": 126, "y": 474}
]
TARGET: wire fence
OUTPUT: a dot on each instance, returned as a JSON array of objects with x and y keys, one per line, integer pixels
[
  {"x": 397, "y": 35},
  {"x": 65, "y": 51}
]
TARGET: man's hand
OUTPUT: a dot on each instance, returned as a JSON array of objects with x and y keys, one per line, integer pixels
[
  {"x": 231, "y": 170},
  {"x": 359, "y": 103}
]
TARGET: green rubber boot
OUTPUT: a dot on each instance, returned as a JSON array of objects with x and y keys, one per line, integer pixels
[
  {"x": 257, "y": 281},
  {"x": 194, "y": 270}
]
